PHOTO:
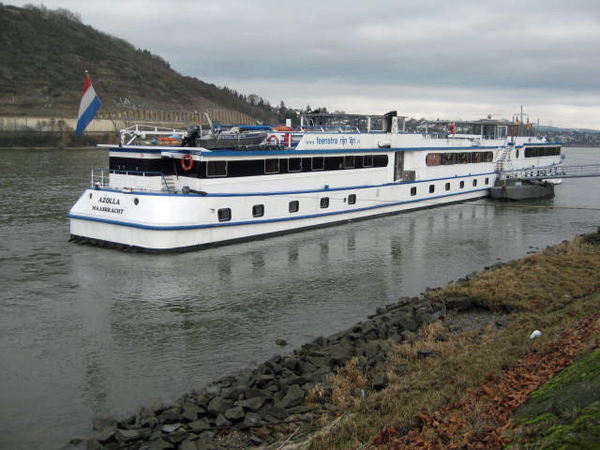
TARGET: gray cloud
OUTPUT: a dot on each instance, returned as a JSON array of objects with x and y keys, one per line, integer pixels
[{"x": 454, "y": 55}]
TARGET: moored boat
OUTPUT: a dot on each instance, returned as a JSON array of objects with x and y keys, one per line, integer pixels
[{"x": 333, "y": 168}]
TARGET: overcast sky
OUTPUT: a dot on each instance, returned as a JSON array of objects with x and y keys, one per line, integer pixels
[{"x": 435, "y": 59}]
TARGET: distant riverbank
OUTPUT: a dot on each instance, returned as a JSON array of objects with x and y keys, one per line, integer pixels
[{"x": 399, "y": 370}]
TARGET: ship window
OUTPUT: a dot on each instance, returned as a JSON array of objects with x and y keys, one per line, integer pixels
[
  {"x": 318, "y": 163},
  {"x": 380, "y": 160},
  {"x": 368, "y": 161},
  {"x": 464, "y": 158},
  {"x": 433, "y": 159},
  {"x": 462, "y": 184},
  {"x": 517, "y": 154},
  {"x": 487, "y": 181},
  {"x": 294, "y": 206},
  {"x": 258, "y": 210},
  {"x": 413, "y": 191},
  {"x": 474, "y": 182},
  {"x": 224, "y": 214},
  {"x": 477, "y": 157},
  {"x": 447, "y": 186},
  {"x": 449, "y": 158},
  {"x": 352, "y": 199},
  {"x": 431, "y": 188},
  {"x": 216, "y": 169},
  {"x": 349, "y": 162},
  {"x": 325, "y": 202},
  {"x": 294, "y": 164},
  {"x": 271, "y": 165},
  {"x": 488, "y": 156}
]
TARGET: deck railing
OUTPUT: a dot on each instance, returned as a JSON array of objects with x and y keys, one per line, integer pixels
[{"x": 100, "y": 178}]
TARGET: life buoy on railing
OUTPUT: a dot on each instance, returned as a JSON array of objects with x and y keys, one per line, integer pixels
[
  {"x": 273, "y": 139},
  {"x": 187, "y": 162}
]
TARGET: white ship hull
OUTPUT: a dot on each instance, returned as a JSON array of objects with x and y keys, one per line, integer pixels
[{"x": 172, "y": 231}]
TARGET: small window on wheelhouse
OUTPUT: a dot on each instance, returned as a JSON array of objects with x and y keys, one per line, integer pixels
[
  {"x": 224, "y": 214},
  {"x": 216, "y": 169},
  {"x": 294, "y": 206}
]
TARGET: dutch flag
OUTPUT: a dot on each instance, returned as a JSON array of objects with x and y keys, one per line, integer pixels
[{"x": 88, "y": 106}]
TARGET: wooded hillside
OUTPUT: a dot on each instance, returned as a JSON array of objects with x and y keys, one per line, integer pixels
[{"x": 44, "y": 54}]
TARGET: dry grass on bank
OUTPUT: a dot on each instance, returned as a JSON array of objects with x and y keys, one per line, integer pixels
[{"x": 549, "y": 291}]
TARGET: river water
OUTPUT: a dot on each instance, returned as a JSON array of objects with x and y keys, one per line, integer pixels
[{"x": 87, "y": 331}]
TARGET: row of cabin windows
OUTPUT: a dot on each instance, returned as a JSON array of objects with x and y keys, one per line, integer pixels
[
  {"x": 461, "y": 185},
  {"x": 534, "y": 152},
  {"x": 446, "y": 159},
  {"x": 224, "y": 214},
  {"x": 253, "y": 167}
]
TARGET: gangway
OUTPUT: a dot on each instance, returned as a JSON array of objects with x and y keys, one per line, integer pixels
[{"x": 551, "y": 172}]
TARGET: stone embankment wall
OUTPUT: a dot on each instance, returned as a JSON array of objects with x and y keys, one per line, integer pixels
[
  {"x": 108, "y": 122},
  {"x": 259, "y": 403}
]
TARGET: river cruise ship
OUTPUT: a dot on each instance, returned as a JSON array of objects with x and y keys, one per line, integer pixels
[{"x": 171, "y": 189}]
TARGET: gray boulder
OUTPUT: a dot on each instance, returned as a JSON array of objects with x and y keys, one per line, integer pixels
[{"x": 293, "y": 397}]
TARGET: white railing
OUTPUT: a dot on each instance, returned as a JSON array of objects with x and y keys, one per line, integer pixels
[
  {"x": 130, "y": 134},
  {"x": 100, "y": 178}
]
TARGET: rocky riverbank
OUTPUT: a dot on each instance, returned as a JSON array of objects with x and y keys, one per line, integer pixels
[
  {"x": 300, "y": 392},
  {"x": 267, "y": 403}
]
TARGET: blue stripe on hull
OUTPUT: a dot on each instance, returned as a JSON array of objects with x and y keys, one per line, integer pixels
[{"x": 254, "y": 222}]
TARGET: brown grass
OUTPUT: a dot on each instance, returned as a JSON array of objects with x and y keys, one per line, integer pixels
[
  {"x": 549, "y": 291},
  {"x": 347, "y": 385}
]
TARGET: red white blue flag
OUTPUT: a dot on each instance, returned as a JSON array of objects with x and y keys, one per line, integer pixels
[{"x": 88, "y": 106}]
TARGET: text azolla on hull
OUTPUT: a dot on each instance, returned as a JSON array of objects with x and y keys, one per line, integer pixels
[{"x": 168, "y": 189}]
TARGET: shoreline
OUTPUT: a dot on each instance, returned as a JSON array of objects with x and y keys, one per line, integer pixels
[{"x": 300, "y": 393}]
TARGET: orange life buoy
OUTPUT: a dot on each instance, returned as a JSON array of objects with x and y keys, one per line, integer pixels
[
  {"x": 271, "y": 138},
  {"x": 187, "y": 162}
]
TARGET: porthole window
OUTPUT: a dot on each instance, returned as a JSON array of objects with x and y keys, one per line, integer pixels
[
  {"x": 325, "y": 202},
  {"x": 474, "y": 183},
  {"x": 431, "y": 188},
  {"x": 258, "y": 210},
  {"x": 447, "y": 186},
  {"x": 487, "y": 181},
  {"x": 136, "y": 201},
  {"x": 413, "y": 191},
  {"x": 352, "y": 199},
  {"x": 462, "y": 184},
  {"x": 294, "y": 206},
  {"x": 224, "y": 214},
  {"x": 90, "y": 195}
]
